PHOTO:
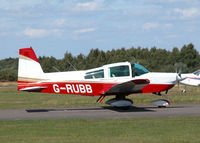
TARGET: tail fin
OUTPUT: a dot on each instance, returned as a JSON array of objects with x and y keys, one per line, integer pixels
[{"x": 29, "y": 69}]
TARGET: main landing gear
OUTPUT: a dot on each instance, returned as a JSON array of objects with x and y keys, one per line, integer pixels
[
  {"x": 161, "y": 103},
  {"x": 120, "y": 102}
]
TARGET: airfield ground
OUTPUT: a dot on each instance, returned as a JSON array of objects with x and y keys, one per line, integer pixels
[{"x": 177, "y": 129}]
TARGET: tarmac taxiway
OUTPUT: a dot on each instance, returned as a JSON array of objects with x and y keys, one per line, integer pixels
[{"x": 99, "y": 112}]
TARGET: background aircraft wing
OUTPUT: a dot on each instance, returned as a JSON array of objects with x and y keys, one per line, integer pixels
[{"x": 133, "y": 86}]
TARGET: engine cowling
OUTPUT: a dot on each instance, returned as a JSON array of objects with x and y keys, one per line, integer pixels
[
  {"x": 161, "y": 103},
  {"x": 119, "y": 102}
]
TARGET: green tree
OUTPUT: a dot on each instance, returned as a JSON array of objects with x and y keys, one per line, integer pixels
[{"x": 189, "y": 56}]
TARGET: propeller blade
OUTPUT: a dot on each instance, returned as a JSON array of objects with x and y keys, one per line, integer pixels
[{"x": 180, "y": 71}]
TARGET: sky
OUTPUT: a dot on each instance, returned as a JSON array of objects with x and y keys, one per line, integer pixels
[{"x": 54, "y": 27}]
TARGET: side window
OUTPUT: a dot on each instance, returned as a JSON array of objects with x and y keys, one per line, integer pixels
[
  {"x": 95, "y": 74},
  {"x": 119, "y": 71}
]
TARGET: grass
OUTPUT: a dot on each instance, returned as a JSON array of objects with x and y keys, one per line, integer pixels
[
  {"x": 8, "y": 84},
  {"x": 143, "y": 130},
  {"x": 10, "y": 98}
]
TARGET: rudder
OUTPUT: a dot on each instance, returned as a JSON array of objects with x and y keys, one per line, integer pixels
[{"x": 29, "y": 68}]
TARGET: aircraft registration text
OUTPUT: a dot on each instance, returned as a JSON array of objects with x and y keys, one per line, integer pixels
[{"x": 73, "y": 88}]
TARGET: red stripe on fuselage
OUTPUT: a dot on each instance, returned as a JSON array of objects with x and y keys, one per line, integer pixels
[
  {"x": 91, "y": 89},
  {"x": 152, "y": 88}
]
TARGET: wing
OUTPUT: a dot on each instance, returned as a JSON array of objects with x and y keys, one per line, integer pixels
[{"x": 133, "y": 86}]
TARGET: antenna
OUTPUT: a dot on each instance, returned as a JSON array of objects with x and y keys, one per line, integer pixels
[
  {"x": 56, "y": 69},
  {"x": 72, "y": 66}
]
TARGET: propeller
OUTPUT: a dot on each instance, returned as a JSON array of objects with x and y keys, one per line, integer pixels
[
  {"x": 180, "y": 71},
  {"x": 178, "y": 76}
]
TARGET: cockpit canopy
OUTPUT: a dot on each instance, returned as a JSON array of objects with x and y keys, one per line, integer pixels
[
  {"x": 124, "y": 69},
  {"x": 197, "y": 72},
  {"x": 138, "y": 70}
]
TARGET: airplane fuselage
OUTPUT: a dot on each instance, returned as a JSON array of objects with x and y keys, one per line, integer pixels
[{"x": 61, "y": 83}]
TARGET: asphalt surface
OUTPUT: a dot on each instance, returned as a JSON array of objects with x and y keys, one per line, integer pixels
[{"x": 100, "y": 112}]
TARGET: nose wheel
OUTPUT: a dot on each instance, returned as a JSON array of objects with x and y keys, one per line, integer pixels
[{"x": 184, "y": 90}]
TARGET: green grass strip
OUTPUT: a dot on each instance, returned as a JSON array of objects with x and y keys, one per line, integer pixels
[{"x": 141, "y": 130}]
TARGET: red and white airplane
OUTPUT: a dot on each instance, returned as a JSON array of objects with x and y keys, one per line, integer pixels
[{"x": 118, "y": 79}]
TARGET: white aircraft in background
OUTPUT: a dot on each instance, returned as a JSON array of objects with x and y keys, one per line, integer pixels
[
  {"x": 191, "y": 79},
  {"x": 118, "y": 79}
]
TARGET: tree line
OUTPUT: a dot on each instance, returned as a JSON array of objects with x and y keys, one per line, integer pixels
[{"x": 153, "y": 59}]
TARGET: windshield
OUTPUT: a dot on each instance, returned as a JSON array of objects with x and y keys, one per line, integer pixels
[
  {"x": 197, "y": 72},
  {"x": 138, "y": 70}
]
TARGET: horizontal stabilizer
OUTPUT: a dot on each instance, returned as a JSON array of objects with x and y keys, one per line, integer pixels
[
  {"x": 133, "y": 86},
  {"x": 33, "y": 89}
]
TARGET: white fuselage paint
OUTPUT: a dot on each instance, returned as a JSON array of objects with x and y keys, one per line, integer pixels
[{"x": 78, "y": 76}]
